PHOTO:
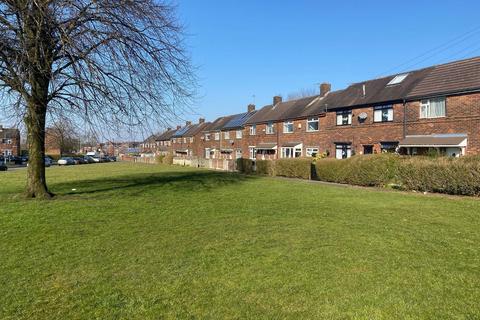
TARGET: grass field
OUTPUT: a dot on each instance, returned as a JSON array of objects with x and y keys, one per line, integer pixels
[{"x": 155, "y": 242}]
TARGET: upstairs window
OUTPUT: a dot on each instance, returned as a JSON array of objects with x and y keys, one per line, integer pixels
[
  {"x": 253, "y": 129},
  {"x": 217, "y": 136},
  {"x": 238, "y": 134},
  {"x": 270, "y": 128},
  {"x": 184, "y": 140},
  {"x": 207, "y": 136},
  {"x": 226, "y": 135},
  {"x": 398, "y": 79},
  {"x": 383, "y": 113},
  {"x": 288, "y": 127},
  {"x": 191, "y": 139},
  {"x": 432, "y": 108},
  {"x": 344, "y": 118},
  {"x": 312, "y": 124}
]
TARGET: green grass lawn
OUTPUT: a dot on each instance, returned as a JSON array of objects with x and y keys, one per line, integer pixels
[{"x": 125, "y": 241}]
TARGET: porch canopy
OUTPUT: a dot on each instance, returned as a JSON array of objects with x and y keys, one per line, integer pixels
[
  {"x": 434, "y": 141},
  {"x": 182, "y": 151},
  {"x": 226, "y": 150},
  {"x": 291, "y": 144},
  {"x": 266, "y": 146}
]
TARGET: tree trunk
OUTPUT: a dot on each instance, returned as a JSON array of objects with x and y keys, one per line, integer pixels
[{"x": 35, "y": 123}]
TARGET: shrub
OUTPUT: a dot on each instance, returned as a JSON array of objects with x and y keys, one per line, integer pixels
[
  {"x": 294, "y": 168},
  {"x": 159, "y": 159},
  {"x": 366, "y": 170},
  {"x": 168, "y": 159},
  {"x": 265, "y": 167},
  {"x": 459, "y": 176},
  {"x": 245, "y": 165}
]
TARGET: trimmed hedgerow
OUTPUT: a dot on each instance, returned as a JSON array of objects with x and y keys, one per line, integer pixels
[
  {"x": 168, "y": 159},
  {"x": 245, "y": 165},
  {"x": 460, "y": 176},
  {"x": 294, "y": 168},
  {"x": 367, "y": 170},
  {"x": 265, "y": 167}
]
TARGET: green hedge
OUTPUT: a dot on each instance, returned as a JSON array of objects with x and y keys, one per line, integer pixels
[
  {"x": 367, "y": 170},
  {"x": 265, "y": 167},
  {"x": 168, "y": 159},
  {"x": 245, "y": 165},
  {"x": 459, "y": 176},
  {"x": 294, "y": 168}
]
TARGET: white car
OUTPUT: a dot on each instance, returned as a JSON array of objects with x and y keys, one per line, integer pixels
[{"x": 66, "y": 161}]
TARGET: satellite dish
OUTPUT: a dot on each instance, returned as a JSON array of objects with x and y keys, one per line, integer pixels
[{"x": 362, "y": 116}]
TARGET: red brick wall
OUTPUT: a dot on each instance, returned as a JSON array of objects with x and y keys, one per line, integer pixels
[{"x": 14, "y": 146}]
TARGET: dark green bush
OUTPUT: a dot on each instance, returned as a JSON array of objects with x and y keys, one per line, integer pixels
[
  {"x": 366, "y": 170},
  {"x": 265, "y": 167},
  {"x": 294, "y": 168},
  {"x": 245, "y": 165}
]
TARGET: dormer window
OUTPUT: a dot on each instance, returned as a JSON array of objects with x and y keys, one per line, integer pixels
[{"x": 398, "y": 79}]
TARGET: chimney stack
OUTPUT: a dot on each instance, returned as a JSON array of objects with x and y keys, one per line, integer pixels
[
  {"x": 178, "y": 127},
  {"x": 325, "y": 88},
  {"x": 168, "y": 129},
  {"x": 250, "y": 108},
  {"x": 187, "y": 123},
  {"x": 201, "y": 120},
  {"x": 276, "y": 100}
]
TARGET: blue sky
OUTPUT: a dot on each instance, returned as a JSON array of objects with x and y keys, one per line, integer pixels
[{"x": 264, "y": 48}]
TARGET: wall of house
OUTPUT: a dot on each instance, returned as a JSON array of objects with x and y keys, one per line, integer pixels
[
  {"x": 463, "y": 116},
  {"x": 13, "y": 145}
]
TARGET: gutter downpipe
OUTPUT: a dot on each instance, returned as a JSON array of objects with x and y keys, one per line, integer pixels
[{"x": 404, "y": 118}]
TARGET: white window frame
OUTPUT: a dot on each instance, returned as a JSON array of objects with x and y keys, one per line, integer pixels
[
  {"x": 313, "y": 120},
  {"x": 253, "y": 129},
  {"x": 341, "y": 147},
  {"x": 226, "y": 135},
  {"x": 398, "y": 79},
  {"x": 238, "y": 153},
  {"x": 239, "y": 134},
  {"x": 191, "y": 139},
  {"x": 378, "y": 113},
  {"x": 291, "y": 152},
  {"x": 310, "y": 151},
  {"x": 184, "y": 140},
  {"x": 269, "y": 128},
  {"x": 342, "y": 115},
  {"x": 207, "y": 136},
  {"x": 287, "y": 125},
  {"x": 252, "y": 153},
  {"x": 426, "y": 108},
  {"x": 217, "y": 136}
]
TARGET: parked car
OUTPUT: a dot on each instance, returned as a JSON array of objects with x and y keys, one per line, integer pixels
[
  {"x": 3, "y": 167},
  {"x": 89, "y": 159},
  {"x": 48, "y": 162},
  {"x": 113, "y": 158},
  {"x": 79, "y": 160},
  {"x": 66, "y": 161}
]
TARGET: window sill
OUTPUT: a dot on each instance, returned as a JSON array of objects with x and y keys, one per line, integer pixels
[
  {"x": 310, "y": 131},
  {"x": 427, "y": 118}
]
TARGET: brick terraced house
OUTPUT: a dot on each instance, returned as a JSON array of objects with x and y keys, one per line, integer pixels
[
  {"x": 415, "y": 112},
  {"x": 187, "y": 140},
  {"x": 9, "y": 141}
]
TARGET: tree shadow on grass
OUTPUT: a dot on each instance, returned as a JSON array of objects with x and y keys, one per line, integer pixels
[{"x": 140, "y": 183}]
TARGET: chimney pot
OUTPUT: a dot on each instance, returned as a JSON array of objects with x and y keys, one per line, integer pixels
[
  {"x": 276, "y": 100},
  {"x": 178, "y": 127},
  {"x": 201, "y": 120},
  {"x": 168, "y": 129},
  {"x": 187, "y": 123},
  {"x": 325, "y": 88},
  {"x": 251, "y": 108}
]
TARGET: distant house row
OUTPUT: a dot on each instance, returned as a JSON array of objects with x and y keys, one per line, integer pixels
[
  {"x": 9, "y": 142},
  {"x": 416, "y": 112}
]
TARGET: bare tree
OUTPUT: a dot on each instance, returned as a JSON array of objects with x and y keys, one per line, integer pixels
[
  {"x": 110, "y": 62},
  {"x": 302, "y": 93},
  {"x": 62, "y": 136}
]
